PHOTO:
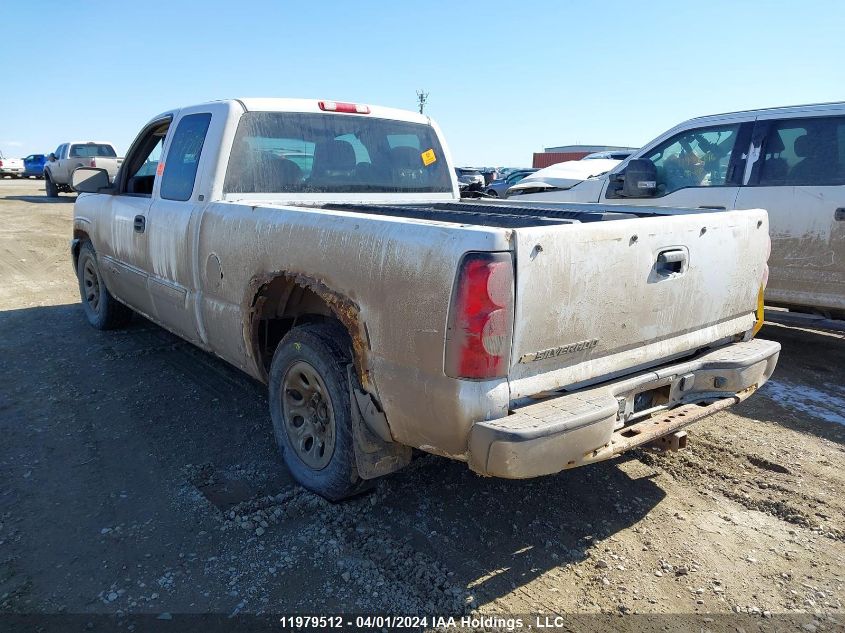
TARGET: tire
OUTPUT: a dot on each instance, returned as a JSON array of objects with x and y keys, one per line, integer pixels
[
  {"x": 50, "y": 187},
  {"x": 101, "y": 309},
  {"x": 492, "y": 193},
  {"x": 311, "y": 410}
]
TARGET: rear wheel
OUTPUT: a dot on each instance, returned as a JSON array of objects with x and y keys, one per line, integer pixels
[
  {"x": 50, "y": 187},
  {"x": 492, "y": 193},
  {"x": 102, "y": 310},
  {"x": 311, "y": 410}
]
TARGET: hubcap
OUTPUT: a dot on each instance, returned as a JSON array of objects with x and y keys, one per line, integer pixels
[
  {"x": 308, "y": 415},
  {"x": 91, "y": 284}
]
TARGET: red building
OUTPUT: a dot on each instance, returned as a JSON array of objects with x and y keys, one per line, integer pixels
[{"x": 553, "y": 155}]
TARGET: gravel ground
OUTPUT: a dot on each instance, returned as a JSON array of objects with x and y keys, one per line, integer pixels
[{"x": 140, "y": 475}]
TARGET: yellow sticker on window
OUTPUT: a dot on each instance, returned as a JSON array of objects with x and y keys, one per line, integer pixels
[{"x": 428, "y": 157}]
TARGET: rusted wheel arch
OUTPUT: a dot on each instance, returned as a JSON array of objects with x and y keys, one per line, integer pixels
[{"x": 292, "y": 299}]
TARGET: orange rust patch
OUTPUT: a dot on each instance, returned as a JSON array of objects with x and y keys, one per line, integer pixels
[{"x": 346, "y": 311}]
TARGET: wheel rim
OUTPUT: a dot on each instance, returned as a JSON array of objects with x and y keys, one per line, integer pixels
[
  {"x": 91, "y": 284},
  {"x": 308, "y": 415}
]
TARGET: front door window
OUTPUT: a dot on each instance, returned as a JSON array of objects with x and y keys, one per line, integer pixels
[{"x": 695, "y": 158}]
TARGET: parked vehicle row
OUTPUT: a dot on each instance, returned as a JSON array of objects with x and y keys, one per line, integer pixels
[
  {"x": 30, "y": 167},
  {"x": 498, "y": 187},
  {"x": 789, "y": 161},
  {"x": 322, "y": 248}
]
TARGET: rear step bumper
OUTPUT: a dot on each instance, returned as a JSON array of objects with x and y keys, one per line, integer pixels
[{"x": 590, "y": 425}]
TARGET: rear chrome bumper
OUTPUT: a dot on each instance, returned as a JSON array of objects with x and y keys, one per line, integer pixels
[{"x": 601, "y": 422}]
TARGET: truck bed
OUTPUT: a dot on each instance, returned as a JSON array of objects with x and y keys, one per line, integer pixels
[
  {"x": 606, "y": 290},
  {"x": 510, "y": 215}
]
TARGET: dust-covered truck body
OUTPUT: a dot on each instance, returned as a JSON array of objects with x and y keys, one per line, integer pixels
[{"x": 322, "y": 248}]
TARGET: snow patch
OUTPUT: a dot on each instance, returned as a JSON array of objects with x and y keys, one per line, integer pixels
[{"x": 825, "y": 405}]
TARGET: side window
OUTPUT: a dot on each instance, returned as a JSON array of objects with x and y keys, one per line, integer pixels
[
  {"x": 148, "y": 167},
  {"x": 141, "y": 161},
  {"x": 804, "y": 152},
  {"x": 183, "y": 157},
  {"x": 695, "y": 158}
]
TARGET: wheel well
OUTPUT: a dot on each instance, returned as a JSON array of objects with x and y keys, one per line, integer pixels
[
  {"x": 283, "y": 302},
  {"x": 80, "y": 237}
]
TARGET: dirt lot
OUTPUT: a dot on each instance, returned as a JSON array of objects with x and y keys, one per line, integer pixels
[{"x": 140, "y": 475}]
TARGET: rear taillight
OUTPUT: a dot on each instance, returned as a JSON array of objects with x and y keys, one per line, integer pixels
[
  {"x": 478, "y": 338},
  {"x": 337, "y": 106},
  {"x": 1, "y": 163}
]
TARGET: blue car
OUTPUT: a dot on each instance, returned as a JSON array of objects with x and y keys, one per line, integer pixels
[{"x": 33, "y": 165}]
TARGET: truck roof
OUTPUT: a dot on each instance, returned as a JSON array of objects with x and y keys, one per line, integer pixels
[
  {"x": 792, "y": 109},
  {"x": 279, "y": 104}
]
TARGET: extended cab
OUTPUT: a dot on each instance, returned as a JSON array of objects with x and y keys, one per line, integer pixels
[
  {"x": 322, "y": 248},
  {"x": 70, "y": 156}
]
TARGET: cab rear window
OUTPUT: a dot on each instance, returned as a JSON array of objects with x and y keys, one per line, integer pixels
[
  {"x": 278, "y": 152},
  {"x": 92, "y": 150}
]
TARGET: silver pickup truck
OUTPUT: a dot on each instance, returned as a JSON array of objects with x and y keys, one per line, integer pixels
[
  {"x": 70, "y": 156},
  {"x": 322, "y": 248}
]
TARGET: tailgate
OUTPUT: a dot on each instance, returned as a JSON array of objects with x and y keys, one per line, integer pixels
[{"x": 600, "y": 299}]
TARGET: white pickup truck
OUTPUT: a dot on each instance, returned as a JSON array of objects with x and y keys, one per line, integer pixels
[
  {"x": 13, "y": 167},
  {"x": 322, "y": 248},
  {"x": 70, "y": 156}
]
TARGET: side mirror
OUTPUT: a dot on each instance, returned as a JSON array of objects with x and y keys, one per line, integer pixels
[
  {"x": 640, "y": 180},
  {"x": 89, "y": 179},
  {"x": 51, "y": 157}
]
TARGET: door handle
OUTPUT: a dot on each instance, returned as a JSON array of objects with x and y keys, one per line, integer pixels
[
  {"x": 140, "y": 223},
  {"x": 839, "y": 214},
  {"x": 715, "y": 208},
  {"x": 670, "y": 261}
]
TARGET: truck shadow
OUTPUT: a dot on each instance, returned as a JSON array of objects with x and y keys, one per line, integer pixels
[
  {"x": 139, "y": 412},
  {"x": 498, "y": 535}
]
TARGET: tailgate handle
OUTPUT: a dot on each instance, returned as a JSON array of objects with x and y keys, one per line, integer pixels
[{"x": 670, "y": 261}]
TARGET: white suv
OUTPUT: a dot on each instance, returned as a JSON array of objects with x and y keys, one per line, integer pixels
[{"x": 789, "y": 161}]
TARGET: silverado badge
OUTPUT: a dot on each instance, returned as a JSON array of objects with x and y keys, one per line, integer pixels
[{"x": 580, "y": 346}]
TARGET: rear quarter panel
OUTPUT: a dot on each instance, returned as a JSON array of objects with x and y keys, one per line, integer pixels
[{"x": 398, "y": 272}]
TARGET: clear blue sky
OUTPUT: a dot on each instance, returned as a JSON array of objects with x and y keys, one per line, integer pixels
[{"x": 505, "y": 78}]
